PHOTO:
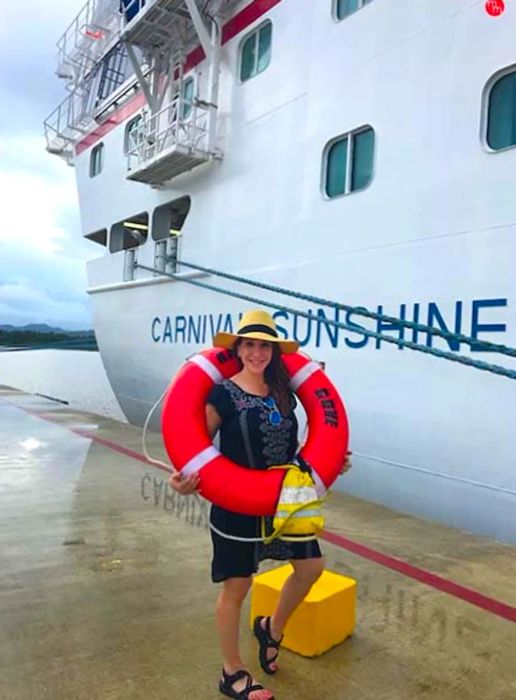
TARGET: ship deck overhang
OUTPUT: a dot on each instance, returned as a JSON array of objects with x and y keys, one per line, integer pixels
[{"x": 176, "y": 161}]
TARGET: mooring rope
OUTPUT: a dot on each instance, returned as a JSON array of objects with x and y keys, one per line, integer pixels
[
  {"x": 358, "y": 311},
  {"x": 443, "y": 354}
]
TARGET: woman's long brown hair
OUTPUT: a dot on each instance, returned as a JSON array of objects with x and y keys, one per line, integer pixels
[{"x": 276, "y": 378}]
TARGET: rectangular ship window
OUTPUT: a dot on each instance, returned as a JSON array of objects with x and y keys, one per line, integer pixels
[
  {"x": 97, "y": 160},
  {"x": 348, "y": 162},
  {"x": 255, "y": 51}
]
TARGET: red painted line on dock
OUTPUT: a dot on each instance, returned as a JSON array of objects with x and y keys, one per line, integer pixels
[
  {"x": 468, "y": 595},
  {"x": 117, "y": 448},
  {"x": 496, "y": 607}
]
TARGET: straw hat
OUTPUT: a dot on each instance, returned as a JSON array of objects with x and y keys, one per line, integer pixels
[{"x": 255, "y": 324}]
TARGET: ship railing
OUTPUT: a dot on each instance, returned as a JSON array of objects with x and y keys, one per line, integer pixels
[
  {"x": 169, "y": 142},
  {"x": 70, "y": 121},
  {"x": 92, "y": 33},
  {"x": 100, "y": 24}
]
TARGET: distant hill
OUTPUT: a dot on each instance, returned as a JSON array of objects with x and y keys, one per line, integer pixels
[
  {"x": 42, "y": 336},
  {"x": 41, "y": 328}
]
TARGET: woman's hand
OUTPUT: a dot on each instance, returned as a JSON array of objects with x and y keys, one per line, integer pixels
[
  {"x": 185, "y": 485},
  {"x": 347, "y": 464}
]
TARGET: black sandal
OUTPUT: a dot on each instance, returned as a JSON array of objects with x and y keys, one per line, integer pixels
[
  {"x": 227, "y": 681},
  {"x": 266, "y": 641}
]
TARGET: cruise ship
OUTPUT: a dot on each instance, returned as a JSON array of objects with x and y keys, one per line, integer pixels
[{"x": 361, "y": 152}]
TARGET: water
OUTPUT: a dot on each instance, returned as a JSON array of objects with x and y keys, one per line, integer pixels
[{"x": 75, "y": 376}]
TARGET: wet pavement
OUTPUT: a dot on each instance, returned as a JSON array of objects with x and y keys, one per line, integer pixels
[{"x": 105, "y": 590}]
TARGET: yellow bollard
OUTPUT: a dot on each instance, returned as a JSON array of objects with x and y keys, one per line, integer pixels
[{"x": 323, "y": 619}]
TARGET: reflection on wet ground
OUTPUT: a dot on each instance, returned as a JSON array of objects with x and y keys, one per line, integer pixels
[{"x": 105, "y": 590}]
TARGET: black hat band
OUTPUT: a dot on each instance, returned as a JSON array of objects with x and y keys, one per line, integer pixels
[{"x": 258, "y": 328}]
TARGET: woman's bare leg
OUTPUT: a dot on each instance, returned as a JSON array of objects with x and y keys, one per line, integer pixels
[
  {"x": 229, "y": 605},
  {"x": 305, "y": 574}
]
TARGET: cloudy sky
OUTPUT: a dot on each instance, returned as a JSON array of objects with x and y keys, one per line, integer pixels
[{"x": 43, "y": 256}]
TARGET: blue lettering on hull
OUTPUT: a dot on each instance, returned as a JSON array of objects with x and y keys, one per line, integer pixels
[{"x": 317, "y": 331}]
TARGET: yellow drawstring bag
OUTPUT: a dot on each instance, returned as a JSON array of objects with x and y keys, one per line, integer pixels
[{"x": 299, "y": 511}]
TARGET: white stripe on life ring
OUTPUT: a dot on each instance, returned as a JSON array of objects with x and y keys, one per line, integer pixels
[
  {"x": 208, "y": 367},
  {"x": 199, "y": 461},
  {"x": 303, "y": 374}
]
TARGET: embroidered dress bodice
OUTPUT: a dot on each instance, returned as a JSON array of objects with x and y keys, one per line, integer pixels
[{"x": 248, "y": 436}]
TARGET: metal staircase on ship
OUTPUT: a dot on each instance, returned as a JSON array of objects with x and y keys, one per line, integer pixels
[{"x": 114, "y": 47}]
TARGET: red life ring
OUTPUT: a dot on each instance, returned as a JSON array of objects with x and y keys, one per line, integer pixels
[{"x": 237, "y": 488}]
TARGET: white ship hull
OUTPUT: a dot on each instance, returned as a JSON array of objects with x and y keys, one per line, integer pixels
[
  {"x": 432, "y": 239},
  {"x": 429, "y": 436}
]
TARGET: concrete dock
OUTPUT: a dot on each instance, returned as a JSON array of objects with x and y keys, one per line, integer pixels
[{"x": 105, "y": 589}]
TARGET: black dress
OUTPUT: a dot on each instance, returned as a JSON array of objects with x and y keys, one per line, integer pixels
[{"x": 249, "y": 437}]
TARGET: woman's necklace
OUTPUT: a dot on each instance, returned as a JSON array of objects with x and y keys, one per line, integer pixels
[
  {"x": 275, "y": 416},
  {"x": 274, "y": 413}
]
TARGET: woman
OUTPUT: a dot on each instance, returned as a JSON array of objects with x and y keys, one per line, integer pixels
[{"x": 254, "y": 411}]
